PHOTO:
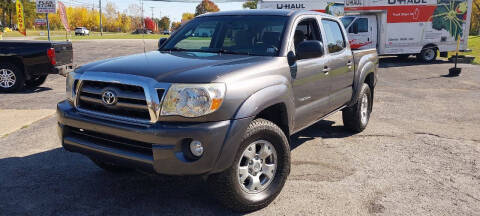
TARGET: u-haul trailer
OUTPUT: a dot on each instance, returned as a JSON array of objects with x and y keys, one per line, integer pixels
[
  {"x": 333, "y": 7},
  {"x": 406, "y": 27}
]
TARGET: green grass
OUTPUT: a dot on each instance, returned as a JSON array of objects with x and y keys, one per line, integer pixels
[
  {"x": 474, "y": 45},
  {"x": 60, "y": 35},
  {"x": 109, "y": 36},
  {"x": 32, "y": 33}
]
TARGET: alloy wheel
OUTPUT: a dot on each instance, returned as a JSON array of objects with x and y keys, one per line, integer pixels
[
  {"x": 7, "y": 78},
  {"x": 257, "y": 166}
]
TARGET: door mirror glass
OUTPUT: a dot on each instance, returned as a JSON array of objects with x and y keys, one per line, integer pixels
[
  {"x": 161, "y": 42},
  {"x": 310, "y": 49}
]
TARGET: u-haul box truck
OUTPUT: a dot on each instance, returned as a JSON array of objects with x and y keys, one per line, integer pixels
[
  {"x": 405, "y": 27},
  {"x": 333, "y": 7}
]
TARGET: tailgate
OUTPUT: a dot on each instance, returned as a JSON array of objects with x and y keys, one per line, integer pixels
[{"x": 63, "y": 53}]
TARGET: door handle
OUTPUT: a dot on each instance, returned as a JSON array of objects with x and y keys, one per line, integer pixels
[
  {"x": 349, "y": 64},
  {"x": 326, "y": 70}
]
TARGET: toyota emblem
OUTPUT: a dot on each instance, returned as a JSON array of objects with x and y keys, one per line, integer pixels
[{"x": 109, "y": 97}]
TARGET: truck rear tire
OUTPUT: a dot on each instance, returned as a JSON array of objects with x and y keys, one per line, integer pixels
[
  {"x": 428, "y": 54},
  {"x": 259, "y": 171},
  {"x": 36, "y": 81},
  {"x": 356, "y": 117},
  {"x": 110, "y": 167},
  {"x": 12, "y": 78}
]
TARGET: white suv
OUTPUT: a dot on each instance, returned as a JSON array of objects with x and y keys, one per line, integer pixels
[{"x": 82, "y": 31}]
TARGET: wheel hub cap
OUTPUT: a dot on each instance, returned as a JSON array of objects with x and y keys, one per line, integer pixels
[
  {"x": 429, "y": 54},
  {"x": 257, "y": 166},
  {"x": 364, "y": 109},
  {"x": 7, "y": 78}
]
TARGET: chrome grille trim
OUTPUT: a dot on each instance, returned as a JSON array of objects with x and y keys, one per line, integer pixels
[{"x": 149, "y": 85}]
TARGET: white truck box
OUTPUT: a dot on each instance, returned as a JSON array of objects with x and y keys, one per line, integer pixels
[{"x": 420, "y": 27}]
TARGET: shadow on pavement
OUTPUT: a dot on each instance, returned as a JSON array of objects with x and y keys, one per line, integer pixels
[
  {"x": 30, "y": 90},
  {"x": 323, "y": 129},
  {"x": 57, "y": 182},
  {"x": 393, "y": 61}
]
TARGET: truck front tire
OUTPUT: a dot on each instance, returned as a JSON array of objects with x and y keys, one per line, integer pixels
[
  {"x": 356, "y": 117},
  {"x": 12, "y": 78},
  {"x": 259, "y": 171}
]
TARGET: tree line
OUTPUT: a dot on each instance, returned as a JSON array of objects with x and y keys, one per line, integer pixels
[
  {"x": 112, "y": 19},
  {"x": 130, "y": 19}
]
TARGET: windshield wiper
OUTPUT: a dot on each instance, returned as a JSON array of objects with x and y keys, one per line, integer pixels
[
  {"x": 224, "y": 51},
  {"x": 174, "y": 49}
]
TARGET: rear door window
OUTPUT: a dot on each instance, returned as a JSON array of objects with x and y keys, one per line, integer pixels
[{"x": 334, "y": 40}]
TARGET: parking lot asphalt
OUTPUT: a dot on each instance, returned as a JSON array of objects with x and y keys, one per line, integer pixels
[{"x": 420, "y": 155}]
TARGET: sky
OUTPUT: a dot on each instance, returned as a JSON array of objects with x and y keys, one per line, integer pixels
[{"x": 174, "y": 10}]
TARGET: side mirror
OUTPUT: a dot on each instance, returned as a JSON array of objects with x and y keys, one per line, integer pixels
[
  {"x": 310, "y": 49},
  {"x": 161, "y": 42},
  {"x": 291, "y": 58}
]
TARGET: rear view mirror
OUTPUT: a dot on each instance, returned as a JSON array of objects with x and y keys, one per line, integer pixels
[
  {"x": 310, "y": 49},
  {"x": 161, "y": 42}
]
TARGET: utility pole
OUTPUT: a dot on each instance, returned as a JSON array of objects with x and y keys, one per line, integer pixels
[
  {"x": 152, "y": 11},
  {"x": 143, "y": 19},
  {"x": 101, "y": 26}
]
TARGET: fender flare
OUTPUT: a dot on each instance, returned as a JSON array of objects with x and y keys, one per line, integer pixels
[
  {"x": 263, "y": 99},
  {"x": 251, "y": 107},
  {"x": 368, "y": 68}
]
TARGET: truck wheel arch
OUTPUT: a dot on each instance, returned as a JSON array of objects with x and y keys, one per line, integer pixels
[
  {"x": 366, "y": 75},
  {"x": 16, "y": 60},
  {"x": 274, "y": 97}
]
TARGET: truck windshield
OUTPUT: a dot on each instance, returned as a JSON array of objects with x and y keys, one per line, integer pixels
[
  {"x": 247, "y": 35},
  {"x": 346, "y": 21}
]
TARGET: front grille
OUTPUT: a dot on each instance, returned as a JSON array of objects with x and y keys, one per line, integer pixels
[
  {"x": 131, "y": 101},
  {"x": 111, "y": 141}
]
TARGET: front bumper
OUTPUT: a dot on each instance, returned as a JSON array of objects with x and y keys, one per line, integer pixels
[{"x": 157, "y": 147}]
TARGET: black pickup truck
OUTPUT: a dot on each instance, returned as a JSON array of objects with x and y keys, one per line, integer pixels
[
  {"x": 224, "y": 105},
  {"x": 28, "y": 63}
]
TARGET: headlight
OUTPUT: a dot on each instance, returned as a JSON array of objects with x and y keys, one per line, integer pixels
[
  {"x": 193, "y": 100},
  {"x": 69, "y": 86}
]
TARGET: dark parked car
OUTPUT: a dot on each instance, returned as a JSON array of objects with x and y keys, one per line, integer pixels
[
  {"x": 223, "y": 107},
  {"x": 29, "y": 62}
]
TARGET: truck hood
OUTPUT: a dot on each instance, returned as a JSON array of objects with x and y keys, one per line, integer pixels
[{"x": 177, "y": 67}]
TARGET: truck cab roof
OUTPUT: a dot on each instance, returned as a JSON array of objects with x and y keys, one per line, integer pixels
[{"x": 266, "y": 12}]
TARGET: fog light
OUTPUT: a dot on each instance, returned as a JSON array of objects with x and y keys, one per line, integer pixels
[{"x": 196, "y": 148}]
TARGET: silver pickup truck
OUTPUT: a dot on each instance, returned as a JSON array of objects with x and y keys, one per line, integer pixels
[{"x": 220, "y": 99}]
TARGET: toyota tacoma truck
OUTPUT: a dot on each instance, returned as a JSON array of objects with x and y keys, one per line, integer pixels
[
  {"x": 28, "y": 63},
  {"x": 221, "y": 106}
]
